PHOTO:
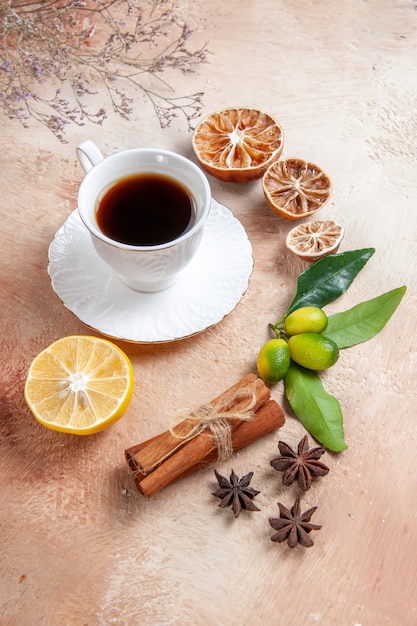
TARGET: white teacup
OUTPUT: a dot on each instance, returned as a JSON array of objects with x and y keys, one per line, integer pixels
[{"x": 142, "y": 267}]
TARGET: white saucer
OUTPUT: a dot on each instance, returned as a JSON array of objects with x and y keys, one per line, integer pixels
[{"x": 208, "y": 290}]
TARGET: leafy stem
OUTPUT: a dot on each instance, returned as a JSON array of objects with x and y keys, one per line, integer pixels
[
  {"x": 318, "y": 285},
  {"x": 125, "y": 46}
]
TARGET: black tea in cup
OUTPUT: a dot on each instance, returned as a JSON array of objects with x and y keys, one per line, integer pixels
[{"x": 145, "y": 209}]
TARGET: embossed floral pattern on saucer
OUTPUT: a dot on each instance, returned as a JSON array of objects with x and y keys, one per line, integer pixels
[{"x": 208, "y": 290}]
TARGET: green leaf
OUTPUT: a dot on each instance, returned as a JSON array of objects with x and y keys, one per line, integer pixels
[
  {"x": 364, "y": 320},
  {"x": 318, "y": 411},
  {"x": 328, "y": 278}
]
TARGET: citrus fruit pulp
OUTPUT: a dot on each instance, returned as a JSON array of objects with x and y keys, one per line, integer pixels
[
  {"x": 295, "y": 189},
  {"x": 273, "y": 360},
  {"x": 313, "y": 351},
  {"x": 307, "y": 319},
  {"x": 314, "y": 240},
  {"x": 79, "y": 384},
  {"x": 237, "y": 144}
]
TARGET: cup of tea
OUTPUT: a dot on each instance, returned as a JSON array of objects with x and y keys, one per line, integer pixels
[{"x": 145, "y": 210}]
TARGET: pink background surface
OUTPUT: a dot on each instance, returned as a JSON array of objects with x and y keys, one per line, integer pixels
[{"x": 79, "y": 544}]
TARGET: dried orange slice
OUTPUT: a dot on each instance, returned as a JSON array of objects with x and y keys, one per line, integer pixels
[
  {"x": 295, "y": 189},
  {"x": 237, "y": 144},
  {"x": 79, "y": 385},
  {"x": 313, "y": 240}
]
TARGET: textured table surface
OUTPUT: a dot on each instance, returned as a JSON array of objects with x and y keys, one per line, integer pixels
[{"x": 79, "y": 544}]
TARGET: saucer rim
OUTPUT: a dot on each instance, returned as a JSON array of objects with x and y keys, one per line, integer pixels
[{"x": 123, "y": 338}]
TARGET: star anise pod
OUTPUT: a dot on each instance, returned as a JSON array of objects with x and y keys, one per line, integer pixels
[
  {"x": 293, "y": 526},
  {"x": 236, "y": 492},
  {"x": 301, "y": 465}
]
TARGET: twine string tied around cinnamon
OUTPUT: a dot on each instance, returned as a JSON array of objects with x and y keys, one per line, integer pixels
[{"x": 215, "y": 418}]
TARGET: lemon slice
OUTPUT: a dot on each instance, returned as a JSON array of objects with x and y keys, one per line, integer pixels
[
  {"x": 237, "y": 144},
  {"x": 295, "y": 189},
  {"x": 314, "y": 240},
  {"x": 79, "y": 385}
]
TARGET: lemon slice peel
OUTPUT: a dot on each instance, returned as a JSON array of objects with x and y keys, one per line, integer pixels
[{"x": 79, "y": 384}]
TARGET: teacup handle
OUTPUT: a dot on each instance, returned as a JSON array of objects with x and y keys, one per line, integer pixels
[{"x": 88, "y": 155}]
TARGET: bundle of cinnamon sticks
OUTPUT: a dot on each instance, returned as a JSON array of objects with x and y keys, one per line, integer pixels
[{"x": 245, "y": 409}]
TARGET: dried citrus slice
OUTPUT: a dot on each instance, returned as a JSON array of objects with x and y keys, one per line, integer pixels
[
  {"x": 79, "y": 384},
  {"x": 237, "y": 144},
  {"x": 295, "y": 189},
  {"x": 313, "y": 240}
]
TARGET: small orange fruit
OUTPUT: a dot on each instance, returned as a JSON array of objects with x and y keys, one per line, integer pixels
[
  {"x": 307, "y": 319},
  {"x": 237, "y": 144},
  {"x": 295, "y": 189},
  {"x": 313, "y": 351},
  {"x": 273, "y": 360},
  {"x": 314, "y": 240}
]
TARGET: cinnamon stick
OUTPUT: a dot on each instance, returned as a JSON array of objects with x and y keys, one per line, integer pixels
[
  {"x": 191, "y": 458},
  {"x": 147, "y": 456}
]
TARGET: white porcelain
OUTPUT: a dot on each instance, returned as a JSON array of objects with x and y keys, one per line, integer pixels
[
  {"x": 209, "y": 289},
  {"x": 144, "y": 268}
]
